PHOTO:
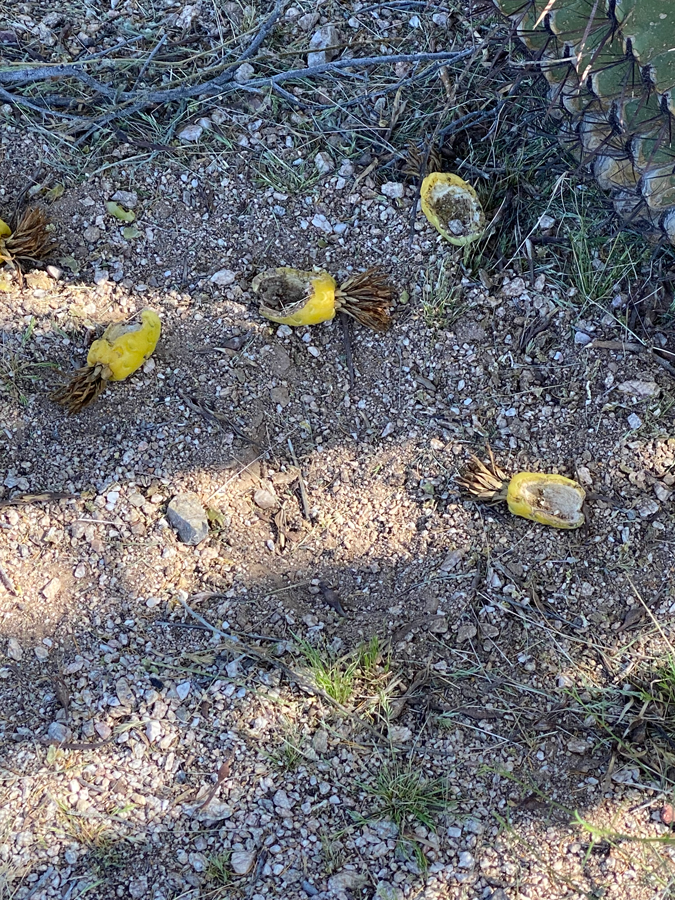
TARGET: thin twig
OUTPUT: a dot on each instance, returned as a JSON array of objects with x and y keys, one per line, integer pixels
[
  {"x": 301, "y": 481},
  {"x": 7, "y": 582},
  {"x": 219, "y": 84},
  {"x": 144, "y": 68}
]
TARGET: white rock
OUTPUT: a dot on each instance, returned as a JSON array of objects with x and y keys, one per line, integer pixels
[
  {"x": 219, "y": 116},
  {"x": 465, "y": 860},
  {"x": 138, "y": 887},
  {"x": 244, "y": 73},
  {"x": 440, "y": 19},
  {"x": 284, "y": 331},
  {"x": 340, "y": 227},
  {"x": 51, "y": 590},
  {"x": 641, "y": 389},
  {"x": 282, "y": 800},
  {"x": 124, "y": 692},
  {"x": 242, "y": 861},
  {"x": 662, "y": 492},
  {"x": 322, "y": 40},
  {"x": 346, "y": 169},
  {"x": 577, "y": 745},
  {"x": 80, "y": 571},
  {"x": 514, "y": 288},
  {"x": 399, "y": 734},
  {"x": 634, "y": 421},
  {"x": 546, "y": 222},
  {"x": 308, "y": 21},
  {"x": 393, "y": 189},
  {"x": 188, "y": 15},
  {"x": 388, "y": 429},
  {"x": 321, "y": 222},
  {"x": 57, "y": 731},
  {"x": 153, "y": 730},
  {"x": 452, "y": 559},
  {"x": 126, "y": 198},
  {"x": 265, "y": 499},
  {"x": 205, "y": 123},
  {"x": 347, "y": 880},
  {"x": 191, "y": 134},
  {"x": 647, "y": 507},
  {"x": 102, "y": 730},
  {"x": 183, "y": 689},
  {"x": 581, "y": 338},
  {"x": 324, "y": 163},
  {"x": 41, "y": 652},
  {"x": 223, "y": 277},
  {"x": 14, "y": 650},
  {"x": 320, "y": 741},
  {"x": 466, "y": 633}
]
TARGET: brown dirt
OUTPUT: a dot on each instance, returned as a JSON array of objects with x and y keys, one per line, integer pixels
[{"x": 511, "y": 634}]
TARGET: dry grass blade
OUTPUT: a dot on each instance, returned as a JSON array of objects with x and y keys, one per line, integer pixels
[
  {"x": 30, "y": 239},
  {"x": 367, "y": 297},
  {"x": 85, "y": 386}
]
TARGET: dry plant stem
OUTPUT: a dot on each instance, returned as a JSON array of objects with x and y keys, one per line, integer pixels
[
  {"x": 218, "y": 85},
  {"x": 241, "y": 649},
  {"x": 301, "y": 481}
]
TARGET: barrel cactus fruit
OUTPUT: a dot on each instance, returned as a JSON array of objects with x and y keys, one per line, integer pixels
[
  {"x": 547, "y": 499},
  {"x": 610, "y": 66},
  {"x": 295, "y": 297}
]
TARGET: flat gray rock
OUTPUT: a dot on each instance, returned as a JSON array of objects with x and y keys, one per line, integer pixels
[{"x": 188, "y": 517}]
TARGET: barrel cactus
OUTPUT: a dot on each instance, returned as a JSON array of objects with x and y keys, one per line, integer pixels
[{"x": 610, "y": 66}]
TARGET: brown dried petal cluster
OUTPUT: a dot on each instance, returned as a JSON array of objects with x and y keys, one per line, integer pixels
[
  {"x": 30, "y": 239},
  {"x": 367, "y": 297},
  {"x": 490, "y": 484},
  {"x": 86, "y": 385}
]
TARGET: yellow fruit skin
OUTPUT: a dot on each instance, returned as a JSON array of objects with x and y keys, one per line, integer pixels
[
  {"x": 320, "y": 307},
  {"x": 434, "y": 182},
  {"x": 520, "y": 506},
  {"x": 5, "y": 230},
  {"x": 124, "y": 348}
]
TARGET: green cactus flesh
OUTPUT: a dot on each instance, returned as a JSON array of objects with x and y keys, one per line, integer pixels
[{"x": 610, "y": 64}]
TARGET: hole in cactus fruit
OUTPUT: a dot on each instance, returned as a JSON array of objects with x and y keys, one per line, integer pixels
[
  {"x": 554, "y": 499},
  {"x": 281, "y": 290}
]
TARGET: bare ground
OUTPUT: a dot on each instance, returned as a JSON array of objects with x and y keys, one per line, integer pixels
[{"x": 517, "y": 670}]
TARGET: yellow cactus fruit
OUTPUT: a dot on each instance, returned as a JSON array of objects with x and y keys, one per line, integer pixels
[
  {"x": 295, "y": 297},
  {"x": 29, "y": 240},
  {"x": 548, "y": 499},
  {"x": 119, "y": 353},
  {"x": 453, "y": 208}
]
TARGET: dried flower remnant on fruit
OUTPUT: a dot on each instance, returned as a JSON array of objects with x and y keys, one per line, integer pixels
[
  {"x": 547, "y": 499},
  {"x": 120, "y": 352},
  {"x": 452, "y": 207},
  {"x": 28, "y": 240},
  {"x": 295, "y": 297}
]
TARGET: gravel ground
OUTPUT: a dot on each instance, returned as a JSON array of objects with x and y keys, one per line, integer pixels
[{"x": 484, "y": 666}]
